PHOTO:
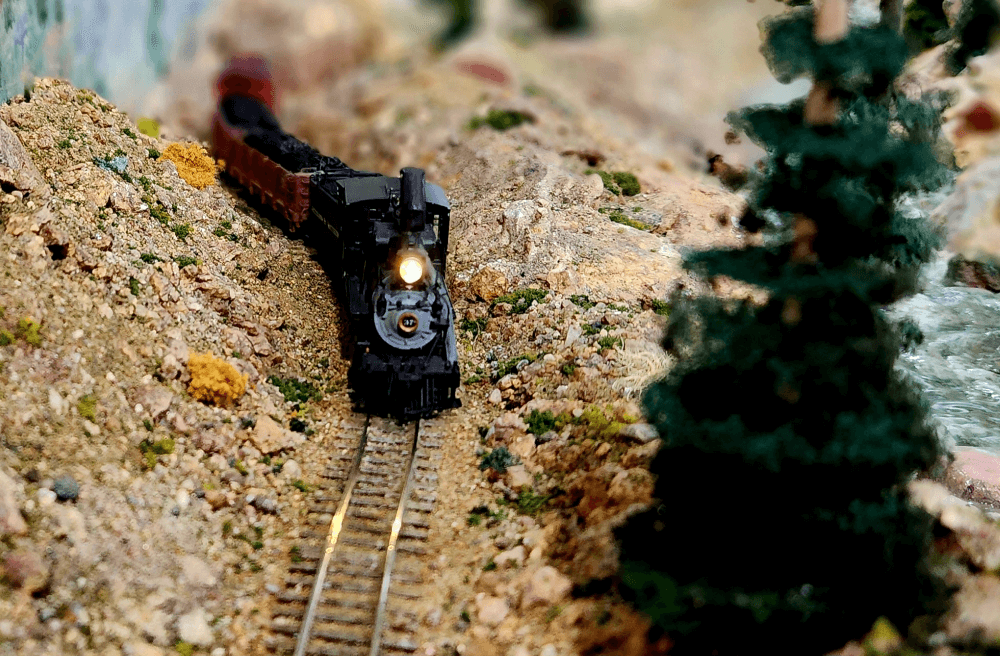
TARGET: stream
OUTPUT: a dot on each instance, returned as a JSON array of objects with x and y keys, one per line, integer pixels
[{"x": 958, "y": 364}]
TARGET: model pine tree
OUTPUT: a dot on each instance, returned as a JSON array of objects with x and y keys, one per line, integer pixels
[{"x": 782, "y": 524}]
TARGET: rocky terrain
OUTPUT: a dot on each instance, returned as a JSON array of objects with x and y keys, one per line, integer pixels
[{"x": 136, "y": 519}]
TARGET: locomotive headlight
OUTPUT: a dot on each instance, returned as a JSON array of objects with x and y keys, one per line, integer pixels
[{"x": 411, "y": 269}]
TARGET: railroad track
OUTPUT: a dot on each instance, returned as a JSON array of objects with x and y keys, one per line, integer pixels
[{"x": 351, "y": 586}]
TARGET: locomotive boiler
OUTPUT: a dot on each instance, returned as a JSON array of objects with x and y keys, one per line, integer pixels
[{"x": 386, "y": 236}]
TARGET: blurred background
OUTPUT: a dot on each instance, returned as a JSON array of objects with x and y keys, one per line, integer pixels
[{"x": 659, "y": 74}]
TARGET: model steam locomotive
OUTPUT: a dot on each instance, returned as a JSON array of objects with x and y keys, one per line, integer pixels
[{"x": 388, "y": 238}]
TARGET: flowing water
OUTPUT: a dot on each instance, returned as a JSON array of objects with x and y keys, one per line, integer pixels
[{"x": 958, "y": 364}]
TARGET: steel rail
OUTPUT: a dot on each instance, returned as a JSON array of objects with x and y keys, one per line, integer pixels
[
  {"x": 390, "y": 552},
  {"x": 336, "y": 524}
]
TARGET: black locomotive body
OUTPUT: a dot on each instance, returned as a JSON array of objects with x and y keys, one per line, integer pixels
[
  {"x": 390, "y": 240},
  {"x": 386, "y": 236}
]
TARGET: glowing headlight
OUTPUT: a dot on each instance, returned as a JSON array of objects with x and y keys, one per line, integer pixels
[{"x": 411, "y": 269}]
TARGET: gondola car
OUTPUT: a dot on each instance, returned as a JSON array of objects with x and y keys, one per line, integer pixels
[{"x": 388, "y": 237}]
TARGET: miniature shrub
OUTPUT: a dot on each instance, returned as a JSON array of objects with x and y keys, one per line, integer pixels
[
  {"x": 530, "y": 503},
  {"x": 150, "y": 450},
  {"x": 149, "y": 258},
  {"x": 181, "y": 230},
  {"x": 27, "y": 329},
  {"x": 521, "y": 299},
  {"x": 157, "y": 211},
  {"x": 185, "y": 260},
  {"x": 499, "y": 459},
  {"x": 500, "y": 119},
  {"x": 599, "y": 426},
  {"x": 661, "y": 308},
  {"x": 582, "y": 300},
  {"x": 627, "y": 182},
  {"x": 474, "y": 326},
  {"x": 133, "y": 286},
  {"x": 6, "y": 338},
  {"x": 87, "y": 407},
  {"x": 153, "y": 153},
  {"x": 619, "y": 217},
  {"x": 194, "y": 165},
  {"x": 540, "y": 423},
  {"x": 569, "y": 368},
  {"x": 295, "y": 390},
  {"x": 214, "y": 381},
  {"x": 609, "y": 342}
]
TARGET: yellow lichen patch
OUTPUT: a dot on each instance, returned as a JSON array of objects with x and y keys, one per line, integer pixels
[
  {"x": 214, "y": 381},
  {"x": 194, "y": 165}
]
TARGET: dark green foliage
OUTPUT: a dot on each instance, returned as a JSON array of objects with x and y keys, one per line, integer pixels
[
  {"x": 499, "y": 459},
  {"x": 925, "y": 24},
  {"x": 796, "y": 405},
  {"x": 149, "y": 258},
  {"x": 661, "y": 308},
  {"x": 582, "y": 301},
  {"x": 975, "y": 29},
  {"x": 185, "y": 260},
  {"x": 133, "y": 286},
  {"x": 618, "y": 182},
  {"x": 474, "y": 326},
  {"x": 627, "y": 182},
  {"x": 866, "y": 61},
  {"x": 522, "y": 299},
  {"x": 153, "y": 153},
  {"x": 500, "y": 119},
  {"x": 295, "y": 390}
]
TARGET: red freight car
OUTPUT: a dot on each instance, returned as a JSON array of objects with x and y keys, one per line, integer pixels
[{"x": 286, "y": 192}]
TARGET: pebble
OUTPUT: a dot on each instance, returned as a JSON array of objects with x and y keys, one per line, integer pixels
[
  {"x": 511, "y": 558},
  {"x": 548, "y": 650},
  {"x": 66, "y": 488},
  {"x": 193, "y": 627}
]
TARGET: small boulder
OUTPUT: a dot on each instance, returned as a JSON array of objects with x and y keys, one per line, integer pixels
[
  {"x": 639, "y": 432},
  {"x": 487, "y": 284},
  {"x": 511, "y": 558},
  {"x": 269, "y": 437},
  {"x": 193, "y": 627},
  {"x": 11, "y": 521},
  {"x": 546, "y": 587},
  {"x": 25, "y": 569},
  {"x": 490, "y": 610},
  {"x": 517, "y": 477},
  {"x": 66, "y": 488},
  {"x": 975, "y": 614}
]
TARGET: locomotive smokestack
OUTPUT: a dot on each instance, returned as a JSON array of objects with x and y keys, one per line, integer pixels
[{"x": 413, "y": 210}]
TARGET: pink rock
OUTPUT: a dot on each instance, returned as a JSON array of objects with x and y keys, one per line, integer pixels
[{"x": 975, "y": 475}]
